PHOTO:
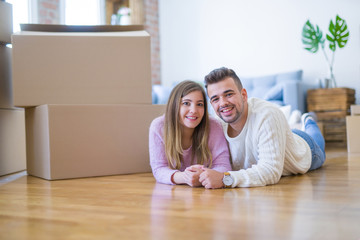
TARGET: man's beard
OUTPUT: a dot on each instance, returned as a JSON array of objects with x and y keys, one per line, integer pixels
[{"x": 237, "y": 113}]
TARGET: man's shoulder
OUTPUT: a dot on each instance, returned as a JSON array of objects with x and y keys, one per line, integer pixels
[
  {"x": 262, "y": 107},
  {"x": 261, "y": 103},
  {"x": 265, "y": 113}
]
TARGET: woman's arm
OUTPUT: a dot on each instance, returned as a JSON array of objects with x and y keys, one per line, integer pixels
[
  {"x": 158, "y": 160},
  {"x": 218, "y": 147},
  {"x": 159, "y": 163},
  {"x": 189, "y": 177}
]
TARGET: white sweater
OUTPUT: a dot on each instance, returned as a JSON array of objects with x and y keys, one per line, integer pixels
[{"x": 266, "y": 148}]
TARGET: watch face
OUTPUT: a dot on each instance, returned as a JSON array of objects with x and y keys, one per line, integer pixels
[{"x": 228, "y": 180}]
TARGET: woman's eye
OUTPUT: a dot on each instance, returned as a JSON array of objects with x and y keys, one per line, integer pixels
[
  {"x": 200, "y": 104},
  {"x": 186, "y": 103}
]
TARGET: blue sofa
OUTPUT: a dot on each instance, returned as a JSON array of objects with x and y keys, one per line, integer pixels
[{"x": 281, "y": 88}]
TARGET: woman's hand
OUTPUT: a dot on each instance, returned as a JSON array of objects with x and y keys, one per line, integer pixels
[
  {"x": 196, "y": 167},
  {"x": 190, "y": 176}
]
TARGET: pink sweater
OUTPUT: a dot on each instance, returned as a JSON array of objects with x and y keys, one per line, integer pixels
[{"x": 158, "y": 161}]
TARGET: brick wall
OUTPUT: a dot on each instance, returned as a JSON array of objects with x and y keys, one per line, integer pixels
[
  {"x": 49, "y": 11},
  {"x": 152, "y": 27}
]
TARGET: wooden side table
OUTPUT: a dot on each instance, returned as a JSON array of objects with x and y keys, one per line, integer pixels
[{"x": 331, "y": 106}]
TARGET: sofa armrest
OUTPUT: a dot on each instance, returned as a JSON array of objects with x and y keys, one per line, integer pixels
[
  {"x": 160, "y": 94},
  {"x": 294, "y": 95}
]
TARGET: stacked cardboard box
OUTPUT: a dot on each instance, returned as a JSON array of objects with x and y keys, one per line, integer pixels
[
  {"x": 353, "y": 130},
  {"x": 87, "y": 97},
  {"x": 12, "y": 123},
  {"x": 12, "y": 141},
  {"x": 6, "y": 22},
  {"x": 332, "y": 105}
]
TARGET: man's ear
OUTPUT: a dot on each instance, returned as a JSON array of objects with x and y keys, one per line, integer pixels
[{"x": 244, "y": 94}]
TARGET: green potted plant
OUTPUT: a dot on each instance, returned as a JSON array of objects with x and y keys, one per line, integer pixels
[{"x": 312, "y": 38}]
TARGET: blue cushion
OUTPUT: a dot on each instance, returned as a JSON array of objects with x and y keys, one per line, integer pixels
[{"x": 275, "y": 93}]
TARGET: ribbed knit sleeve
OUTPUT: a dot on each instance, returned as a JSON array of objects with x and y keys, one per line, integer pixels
[{"x": 158, "y": 160}]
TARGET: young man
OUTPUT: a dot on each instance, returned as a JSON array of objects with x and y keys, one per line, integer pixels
[{"x": 262, "y": 145}]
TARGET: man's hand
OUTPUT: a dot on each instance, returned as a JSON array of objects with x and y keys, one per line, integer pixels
[{"x": 211, "y": 178}]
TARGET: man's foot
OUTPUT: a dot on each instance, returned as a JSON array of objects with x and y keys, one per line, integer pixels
[
  {"x": 295, "y": 117},
  {"x": 307, "y": 116}
]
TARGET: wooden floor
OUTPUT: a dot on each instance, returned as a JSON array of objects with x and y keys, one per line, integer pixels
[{"x": 323, "y": 204}]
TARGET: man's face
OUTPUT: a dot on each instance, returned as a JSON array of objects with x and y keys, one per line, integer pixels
[{"x": 227, "y": 101}]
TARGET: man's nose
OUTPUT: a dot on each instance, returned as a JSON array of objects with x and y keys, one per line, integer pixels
[{"x": 223, "y": 101}]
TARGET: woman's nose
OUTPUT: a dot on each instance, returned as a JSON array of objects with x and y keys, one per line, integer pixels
[{"x": 193, "y": 108}]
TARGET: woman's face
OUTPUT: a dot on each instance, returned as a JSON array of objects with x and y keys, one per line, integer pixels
[{"x": 191, "y": 109}]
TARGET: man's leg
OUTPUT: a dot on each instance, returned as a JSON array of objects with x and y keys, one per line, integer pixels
[
  {"x": 313, "y": 130},
  {"x": 312, "y": 135}
]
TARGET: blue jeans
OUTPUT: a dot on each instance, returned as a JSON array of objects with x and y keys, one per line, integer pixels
[{"x": 313, "y": 137}]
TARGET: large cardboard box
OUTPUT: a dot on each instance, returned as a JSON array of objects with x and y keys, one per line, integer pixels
[
  {"x": 5, "y": 77},
  {"x": 12, "y": 141},
  {"x": 355, "y": 110},
  {"x": 81, "y": 68},
  {"x": 353, "y": 134},
  {"x": 73, "y": 141},
  {"x": 6, "y": 22}
]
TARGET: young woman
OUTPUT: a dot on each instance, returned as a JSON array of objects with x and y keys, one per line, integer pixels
[{"x": 186, "y": 136}]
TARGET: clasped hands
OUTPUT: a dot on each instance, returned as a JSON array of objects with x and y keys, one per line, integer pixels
[{"x": 198, "y": 175}]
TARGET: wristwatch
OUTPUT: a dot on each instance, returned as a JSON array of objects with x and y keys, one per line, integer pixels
[{"x": 227, "y": 180}]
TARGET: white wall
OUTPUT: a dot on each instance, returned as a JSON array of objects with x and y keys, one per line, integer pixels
[{"x": 254, "y": 38}]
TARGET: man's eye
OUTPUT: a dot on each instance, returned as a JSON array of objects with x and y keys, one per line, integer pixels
[
  {"x": 229, "y": 94},
  {"x": 214, "y": 99}
]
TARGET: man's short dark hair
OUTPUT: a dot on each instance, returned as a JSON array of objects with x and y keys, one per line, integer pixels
[{"x": 220, "y": 74}]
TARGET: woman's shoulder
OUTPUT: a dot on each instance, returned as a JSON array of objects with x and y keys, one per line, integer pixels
[
  {"x": 216, "y": 133},
  {"x": 215, "y": 123},
  {"x": 158, "y": 122}
]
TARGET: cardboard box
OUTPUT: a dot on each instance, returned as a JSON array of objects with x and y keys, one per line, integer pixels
[
  {"x": 355, "y": 110},
  {"x": 353, "y": 134},
  {"x": 81, "y": 68},
  {"x": 6, "y": 22},
  {"x": 74, "y": 141},
  {"x": 12, "y": 141},
  {"x": 5, "y": 78},
  {"x": 79, "y": 28}
]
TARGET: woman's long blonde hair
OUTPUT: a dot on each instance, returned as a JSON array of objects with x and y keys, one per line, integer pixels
[{"x": 172, "y": 128}]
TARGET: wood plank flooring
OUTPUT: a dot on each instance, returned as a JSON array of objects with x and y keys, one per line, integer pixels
[{"x": 322, "y": 204}]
